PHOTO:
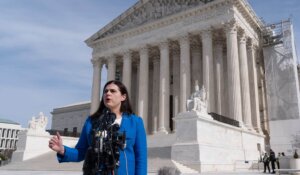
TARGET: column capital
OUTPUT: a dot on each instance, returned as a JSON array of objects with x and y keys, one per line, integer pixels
[
  {"x": 97, "y": 62},
  {"x": 184, "y": 39},
  {"x": 231, "y": 26},
  {"x": 143, "y": 49},
  {"x": 110, "y": 59},
  {"x": 242, "y": 39},
  {"x": 163, "y": 44},
  {"x": 242, "y": 36},
  {"x": 251, "y": 44},
  {"x": 126, "y": 54},
  {"x": 174, "y": 46},
  {"x": 207, "y": 33}
]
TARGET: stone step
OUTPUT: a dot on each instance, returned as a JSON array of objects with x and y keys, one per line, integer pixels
[
  {"x": 184, "y": 169},
  {"x": 159, "y": 155},
  {"x": 48, "y": 162}
]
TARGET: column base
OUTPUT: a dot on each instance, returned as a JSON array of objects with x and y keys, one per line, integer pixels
[
  {"x": 258, "y": 130},
  {"x": 153, "y": 132},
  {"x": 162, "y": 131},
  {"x": 243, "y": 126},
  {"x": 249, "y": 128}
]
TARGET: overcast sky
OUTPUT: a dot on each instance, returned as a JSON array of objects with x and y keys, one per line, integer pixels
[{"x": 44, "y": 62}]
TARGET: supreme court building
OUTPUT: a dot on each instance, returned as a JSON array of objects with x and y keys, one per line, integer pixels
[{"x": 162, "y": 49}]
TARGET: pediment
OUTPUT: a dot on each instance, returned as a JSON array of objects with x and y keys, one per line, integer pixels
[{"x": 145, "y": 11}]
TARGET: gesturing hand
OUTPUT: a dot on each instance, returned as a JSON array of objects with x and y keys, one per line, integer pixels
[{"x": 55, "y": 143}]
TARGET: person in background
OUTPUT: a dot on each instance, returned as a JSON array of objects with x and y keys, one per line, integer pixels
[
  {"x": 277, "y": 160},
  {"x": 266, "y": 162},
  {"x": 132, "y": 159},
  {"x": 273, "y": 160}
]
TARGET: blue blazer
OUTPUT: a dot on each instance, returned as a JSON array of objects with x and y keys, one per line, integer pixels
[{"x": 134, "y": 157}]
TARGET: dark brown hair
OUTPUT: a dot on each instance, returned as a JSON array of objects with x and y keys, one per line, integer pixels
[{"x": 125, "y": 105}]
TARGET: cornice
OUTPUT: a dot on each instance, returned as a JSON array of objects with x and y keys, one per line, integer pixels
[
  {"x": 72, "y": 108},
  {"x": 248, "y": 13},
  {"x": 201, "y": 11}
]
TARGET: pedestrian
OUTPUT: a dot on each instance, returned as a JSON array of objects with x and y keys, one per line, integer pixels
[
  {"x": 132, "y": 157},
  {"x": 273, "y": 160},
  {"x": 266, "y": 162},
  {"x": 277, "y": 160}
]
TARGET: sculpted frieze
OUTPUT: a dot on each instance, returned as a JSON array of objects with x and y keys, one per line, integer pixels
[
  {"x": 206, "y": 15},
  {"x": 150, "y": 11}
]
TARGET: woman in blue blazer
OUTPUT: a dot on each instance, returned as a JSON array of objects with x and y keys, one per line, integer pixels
[{"x": 133, "y": 158}]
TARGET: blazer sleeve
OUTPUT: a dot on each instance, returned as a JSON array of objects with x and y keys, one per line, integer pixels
[
  {"x": 77, "y": 154},
  {"x": 140, "y": 149}
]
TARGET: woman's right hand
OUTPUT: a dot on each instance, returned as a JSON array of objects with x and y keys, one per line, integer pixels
[{"x": 55, "y": 143}]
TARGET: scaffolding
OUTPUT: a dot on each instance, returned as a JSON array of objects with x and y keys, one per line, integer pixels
[{"x": 272, "y": 34}]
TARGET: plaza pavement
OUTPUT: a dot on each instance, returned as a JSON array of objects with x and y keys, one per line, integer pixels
[
  {"x": 32, "y": 172},
  {"x": 47, "y": 165}
]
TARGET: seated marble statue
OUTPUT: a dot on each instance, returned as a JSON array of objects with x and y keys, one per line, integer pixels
[
  {"x": 38, "y": 125},
  {"x": 198, "y": 101}
]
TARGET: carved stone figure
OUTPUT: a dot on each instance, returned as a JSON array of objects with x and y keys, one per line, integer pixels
[
  {"x": 38, "y": 125},
  {"x": 32, "y": 123},
  {"x": 198, "y": 101}
]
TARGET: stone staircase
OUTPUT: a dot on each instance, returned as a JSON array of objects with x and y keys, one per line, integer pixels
[{"x": 159, "y": 156}]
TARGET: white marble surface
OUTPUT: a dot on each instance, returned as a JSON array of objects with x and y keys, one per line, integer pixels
[
  {"x": 30, "y": 146},
  {"x": 207, "y": 145}
]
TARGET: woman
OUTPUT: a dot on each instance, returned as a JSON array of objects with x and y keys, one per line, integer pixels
[{"x": 133, "y": 159}]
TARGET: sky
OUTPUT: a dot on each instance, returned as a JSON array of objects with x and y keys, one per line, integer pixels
[{"x": 44, "y": 62}]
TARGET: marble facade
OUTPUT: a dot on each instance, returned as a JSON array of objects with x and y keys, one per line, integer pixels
[{"x": 161, "y": 49}]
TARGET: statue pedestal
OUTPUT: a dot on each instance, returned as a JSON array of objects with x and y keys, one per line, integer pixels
[
  {"x": 30, "y": 146},
  {"x": 295, "y": 164},
  {"x": 207, "y": 145}
]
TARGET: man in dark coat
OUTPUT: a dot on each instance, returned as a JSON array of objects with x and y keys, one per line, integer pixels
[{"x": 273, "y": 160}]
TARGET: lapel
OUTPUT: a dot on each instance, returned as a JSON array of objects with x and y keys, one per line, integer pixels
[{"x": 124, "y": 122}]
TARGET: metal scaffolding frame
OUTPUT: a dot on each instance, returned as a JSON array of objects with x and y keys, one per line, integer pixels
[{"x": 272, "y": 34}]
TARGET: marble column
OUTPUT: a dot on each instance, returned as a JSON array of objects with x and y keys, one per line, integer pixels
[
  {"x": 111, "y": 71},
  {"x": 155, "y": 94},
  {"x": 127, "y": 70},
  {"x": 95, "y": 98},
  {"x": 176, "y": 83},
  {"x": 143, "y": 85},
  {"x": 208, "y": 69},
  {"x": 234, "y": 85},
  {"x": 264, "y": 103},
  {"x": 245, "y": 91},
  {"x": 220, "y": 78},
  {"x": 134, "y": 86},
  {"x": 253, "y": 88},
  {"x": 225, "y": 75},
  {"x": 164, "y": 89},
  {"x": 196, "y": 65},
  {"x": 185, "y": 74}
]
